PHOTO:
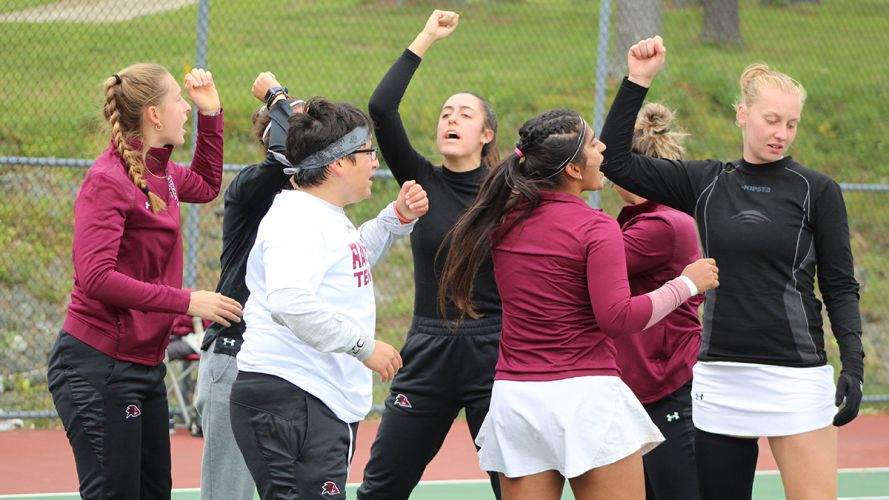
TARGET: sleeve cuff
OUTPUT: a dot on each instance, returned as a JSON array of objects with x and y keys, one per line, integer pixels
[
  {"x": 635, "y": 87},
  {"x": 184, "y": 299},
  {"x": 363, "y": 348},
  {"x": 210, "y": 123},
  {"x": 390, "y": 213},
  {"x": 690, "y": 284},
  {"x": 409, "y": 54}
]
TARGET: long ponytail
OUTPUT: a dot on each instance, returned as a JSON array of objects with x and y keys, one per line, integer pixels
[{"x": 467, "y": 241}]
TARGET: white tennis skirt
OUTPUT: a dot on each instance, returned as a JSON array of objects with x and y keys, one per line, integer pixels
[
  {"x": 753, "y": 400},
  {"x": 571, "y": 425}
]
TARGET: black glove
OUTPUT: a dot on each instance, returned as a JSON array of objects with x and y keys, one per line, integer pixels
[
  {"x": 848, "y": 388},
  {"x": 851, "y": 380}
]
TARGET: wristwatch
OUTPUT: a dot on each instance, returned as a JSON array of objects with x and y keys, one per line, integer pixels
[{"x": 272, "y": 93}]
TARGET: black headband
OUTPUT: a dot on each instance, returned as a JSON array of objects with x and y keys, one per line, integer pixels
[{"x": 580, "y": 138}]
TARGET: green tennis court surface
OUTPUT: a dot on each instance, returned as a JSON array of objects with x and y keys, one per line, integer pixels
[{"x": 870, "y": 484}]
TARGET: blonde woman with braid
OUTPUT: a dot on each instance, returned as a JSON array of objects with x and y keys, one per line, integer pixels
[{"x": 106, "y": 371}]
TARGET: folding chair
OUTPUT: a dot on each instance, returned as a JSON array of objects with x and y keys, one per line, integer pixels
[{"x": 182, "y": 359}]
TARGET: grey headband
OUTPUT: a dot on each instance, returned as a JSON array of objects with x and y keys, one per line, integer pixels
[{"x": 344, "y": 146}]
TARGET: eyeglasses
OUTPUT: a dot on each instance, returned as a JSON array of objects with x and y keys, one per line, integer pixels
[{"x": 371, "y": 151}]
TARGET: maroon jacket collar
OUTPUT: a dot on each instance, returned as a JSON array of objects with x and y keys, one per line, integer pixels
[
  {"x": 156, "y": 159},
  {"x": 629, "y": 211}
]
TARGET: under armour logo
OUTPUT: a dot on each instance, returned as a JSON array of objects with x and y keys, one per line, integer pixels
[
  {"x": 227, "y": 342},
  {"x": 672, "y": 416},
  {"x": 699, "y": 396},
  {"x": 132, "y": 411},
  {"x": 401, "y": 400},
  {"x": 329, "y": 488}
]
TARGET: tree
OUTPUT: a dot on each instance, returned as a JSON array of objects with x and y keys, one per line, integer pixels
[
  {"x": 633, "y": 21},
  {"x": 722, "y": 22}
]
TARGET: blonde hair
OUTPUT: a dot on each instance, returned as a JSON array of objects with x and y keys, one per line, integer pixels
[
  {"x": 653, "y": 135},
  {"x": 759, "y": 75},
  {"x": 127, "y": 94}
]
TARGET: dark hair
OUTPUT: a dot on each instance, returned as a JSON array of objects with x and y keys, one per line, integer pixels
[
  {"x": 490, "y": 154},
  {"x": 548, "y": 142},
  {"x": 321, "y": 124},
  {"x": 261, "y": 119}
]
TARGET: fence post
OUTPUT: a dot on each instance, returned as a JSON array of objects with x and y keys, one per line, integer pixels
[
  {"x": 594, "y": 199},
  {"x": 191, "y": 223}
]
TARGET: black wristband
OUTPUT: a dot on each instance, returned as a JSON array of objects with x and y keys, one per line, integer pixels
[{"x": 271, "y": 94}]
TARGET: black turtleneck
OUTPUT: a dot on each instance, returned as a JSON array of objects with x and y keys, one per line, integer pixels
[
  {"x": 450, "y": 193},
  {"x": 771, "y": 228}
]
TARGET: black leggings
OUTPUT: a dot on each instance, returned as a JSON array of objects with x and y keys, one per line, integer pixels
[
  {"x": 726, "y": 465},
  {"x": 670, "y": 469},
  {"x": 444, "y": 371}
]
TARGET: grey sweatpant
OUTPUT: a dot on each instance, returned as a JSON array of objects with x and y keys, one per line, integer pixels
[{"x": 224, "y": 474}]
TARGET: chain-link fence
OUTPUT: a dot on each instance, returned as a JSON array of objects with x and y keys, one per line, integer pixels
[{"x": 524, "y": 56}]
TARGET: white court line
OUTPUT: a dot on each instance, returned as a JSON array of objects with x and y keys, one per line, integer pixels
[
  {"x": 441, "y": 481},
  {"x": 485, "y": 481},
  {"x": 841, "y": 471}
]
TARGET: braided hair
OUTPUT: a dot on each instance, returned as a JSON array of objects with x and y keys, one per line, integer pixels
[
  {"x": 127, "y": 94},
  {"x": 547, "y": 144}
]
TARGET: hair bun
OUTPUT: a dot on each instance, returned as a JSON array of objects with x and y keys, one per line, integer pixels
[
  {"x": 754, "y": 71},
  {"x": 653, "y": 134},
  {"x": 655, "y": 119}
]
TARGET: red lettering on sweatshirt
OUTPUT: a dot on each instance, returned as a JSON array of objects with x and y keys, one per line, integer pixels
[
  {"x": 359, "y": 255},
  {"x": 363, "y": 277}
]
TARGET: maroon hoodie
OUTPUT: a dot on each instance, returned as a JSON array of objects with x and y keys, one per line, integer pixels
[
  {"x": 660, "y": 242},
  {"x": 128, "y": 260}
]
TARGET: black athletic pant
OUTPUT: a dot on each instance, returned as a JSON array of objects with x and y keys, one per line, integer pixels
[
  {"x": 116, "y": 416},
  {"x": 294, "y": 446},
  {"x": 726, "y": 465},
  {"x": 444, "y": 371},
  {"x": 670, "y": 469}
]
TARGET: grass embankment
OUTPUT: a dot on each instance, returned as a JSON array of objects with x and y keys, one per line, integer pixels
[{"x": 525, "y": 56}]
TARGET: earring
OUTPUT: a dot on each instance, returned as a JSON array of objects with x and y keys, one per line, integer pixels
[{"x": 158, "y": 126}]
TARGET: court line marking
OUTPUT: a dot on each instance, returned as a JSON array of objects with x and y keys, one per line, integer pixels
[{"x": 485, "y": 481}]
